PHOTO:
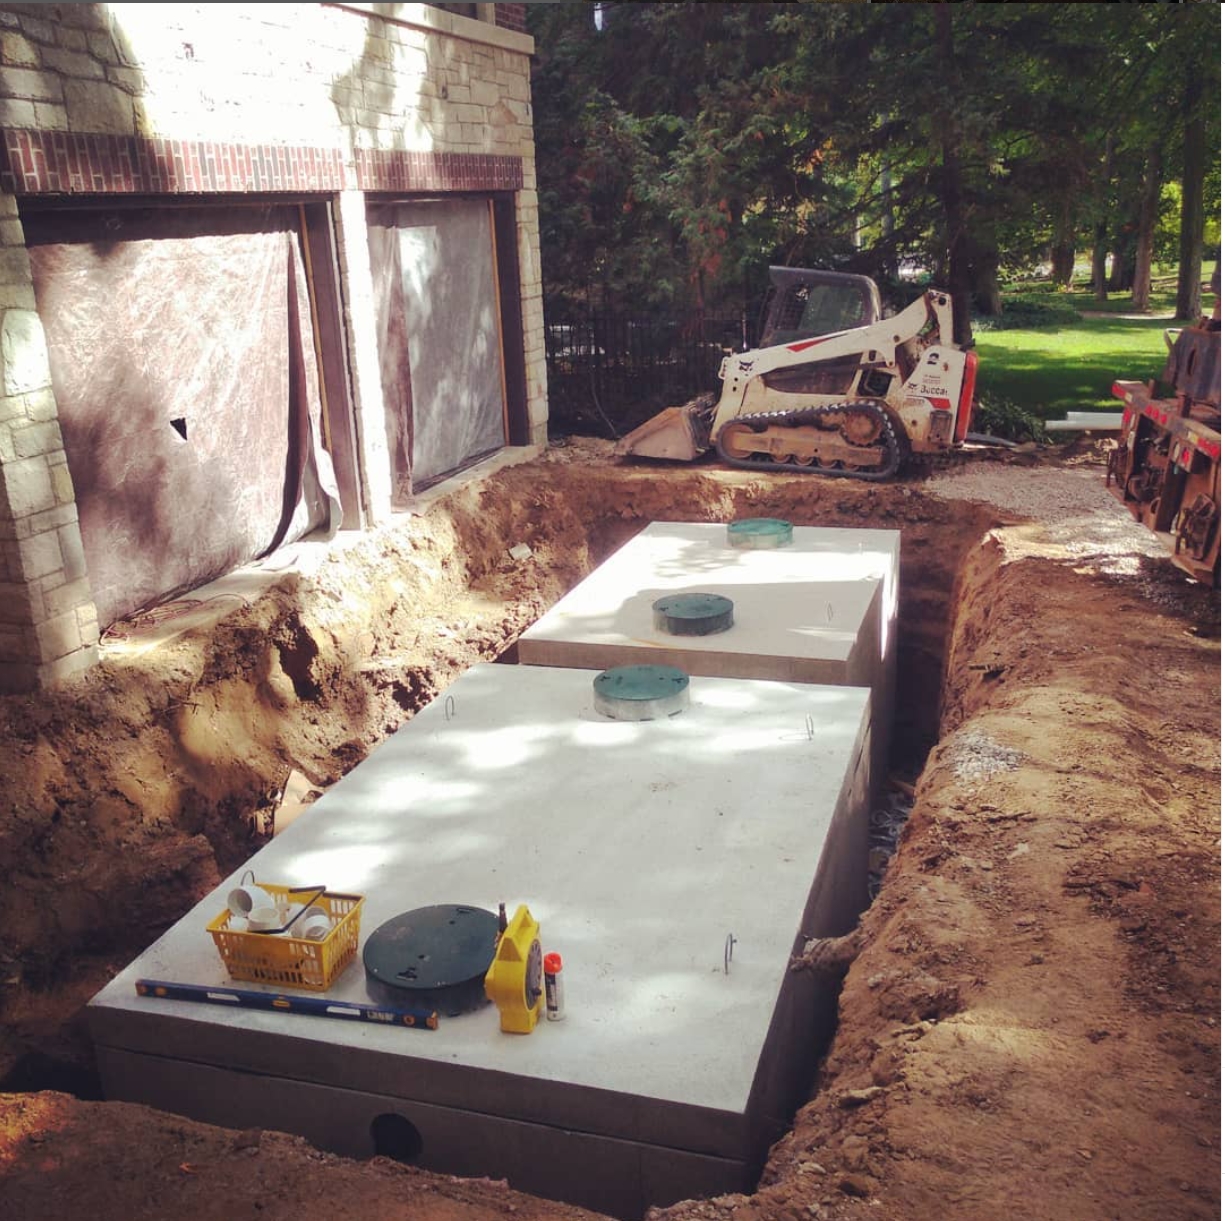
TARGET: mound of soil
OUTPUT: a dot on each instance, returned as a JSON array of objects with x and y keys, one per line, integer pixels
[{"x": 1031, "y": 1024}]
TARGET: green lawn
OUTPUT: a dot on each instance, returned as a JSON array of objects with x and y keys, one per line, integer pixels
[
  {"x": 1071, "y": 367},
  {"x": 1161, "y": 298}
]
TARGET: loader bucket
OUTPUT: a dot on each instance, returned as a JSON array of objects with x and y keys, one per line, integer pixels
[{"x": 678, "y": 434}]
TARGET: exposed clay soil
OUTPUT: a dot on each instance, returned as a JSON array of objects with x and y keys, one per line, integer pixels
[{"x": 1031, "y": 1028}]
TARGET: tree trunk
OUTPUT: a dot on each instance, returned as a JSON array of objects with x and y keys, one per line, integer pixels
[
  {"x": 1063, "y": 263},
  {"x": 985, "y": 277},
  {"x": 1142, "y": 284},
  {"x": 1099, "y": 261},
  {"x": 886, "y": 221},
  {"x": 1063, "y": 247},
  {"x": 952, "y": 192},
  {"x": 1122, "y": 266},
  {"x": 1191, "y": 228},
  {"x": 1101, "y": 230}
]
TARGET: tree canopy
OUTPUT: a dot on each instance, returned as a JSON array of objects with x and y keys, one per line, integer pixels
[{"x": 684, "y": 147}]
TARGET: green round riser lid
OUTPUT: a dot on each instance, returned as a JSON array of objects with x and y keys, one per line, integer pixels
[
  {"x": 641, "y": 693},
  {"x": 692, "y": 614},
  {"x": 759, "y": 532}
]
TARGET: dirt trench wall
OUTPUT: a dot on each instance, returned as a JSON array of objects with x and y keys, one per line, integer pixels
[{"x": 1040, "y": 981}]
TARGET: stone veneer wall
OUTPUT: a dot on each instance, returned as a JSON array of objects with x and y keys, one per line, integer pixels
[
  {"x": 48, "y": 625},
  {"x": 333, "y": 99}
]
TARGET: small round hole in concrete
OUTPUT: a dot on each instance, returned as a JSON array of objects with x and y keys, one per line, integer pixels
[{"x": 396, "y": 1137}]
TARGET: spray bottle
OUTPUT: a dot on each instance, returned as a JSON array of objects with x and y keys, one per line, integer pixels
[{"x": 554, "y": 999}]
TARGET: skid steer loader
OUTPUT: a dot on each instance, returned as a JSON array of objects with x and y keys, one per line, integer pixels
[{"x": 833, "y": 388}]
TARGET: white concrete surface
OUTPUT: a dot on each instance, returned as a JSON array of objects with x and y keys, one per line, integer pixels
[
  {"x": 813, "y": 611},
  {"x": 639, "y": 846},
  {"x": 821, "y": 610}
]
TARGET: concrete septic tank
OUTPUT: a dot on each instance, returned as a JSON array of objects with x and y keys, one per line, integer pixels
[
  {"x": 676, "y": 865},
  {"x": 819, "y": 609}
]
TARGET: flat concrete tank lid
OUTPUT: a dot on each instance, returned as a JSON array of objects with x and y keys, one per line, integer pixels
[
  {"x": 641, "y": 693},
  {"x": 433, "y": 956},
  {"x": 759, "y": 532},
  {"x": 692, "y": 614}
]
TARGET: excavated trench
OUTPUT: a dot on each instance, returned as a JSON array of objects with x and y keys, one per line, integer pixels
[
  {"x": 133, "y": 793},
  {"x": 162, "y": 772}
]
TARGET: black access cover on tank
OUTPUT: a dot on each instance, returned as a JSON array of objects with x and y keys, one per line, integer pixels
[
  {"x": 433, "y": 956},
  {"x": 693, "y": 614}
]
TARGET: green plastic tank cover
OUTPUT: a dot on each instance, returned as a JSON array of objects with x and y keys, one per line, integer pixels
[
  {"x": 692, "y": 614},
  {"x": 759, "y": 532},
  {"x": 641, "y": 693}
]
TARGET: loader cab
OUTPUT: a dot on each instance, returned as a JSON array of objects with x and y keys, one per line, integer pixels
[{"x": 805, "y": 304}]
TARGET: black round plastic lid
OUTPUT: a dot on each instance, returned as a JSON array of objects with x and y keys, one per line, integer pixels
[
  {"x": 432, "y": 948},
  {"x": 692, "y": 614}
]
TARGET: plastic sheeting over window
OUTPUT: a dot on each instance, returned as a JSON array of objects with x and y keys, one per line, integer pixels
[
  {"x": 184, "y": 369},
  {"x": 439, "y": 336}
]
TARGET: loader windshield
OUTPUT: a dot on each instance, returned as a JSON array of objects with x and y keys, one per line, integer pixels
[{"x": 807, "y": 304}]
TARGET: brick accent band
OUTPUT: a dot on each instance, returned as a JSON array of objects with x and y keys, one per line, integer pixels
[
  {"x": 69, "y": 163},
  {"x": 511, "y": 17},
  {"x": 386, "y": 170}
]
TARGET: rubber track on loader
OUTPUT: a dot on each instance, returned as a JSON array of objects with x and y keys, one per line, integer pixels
[{"x": 894, "y": 452}]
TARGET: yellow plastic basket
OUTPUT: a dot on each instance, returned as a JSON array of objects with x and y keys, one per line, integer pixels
[{"x": 285, "y": 960}]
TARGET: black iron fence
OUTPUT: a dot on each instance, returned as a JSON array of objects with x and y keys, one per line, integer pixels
[{"x": 609, "y": 372}]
